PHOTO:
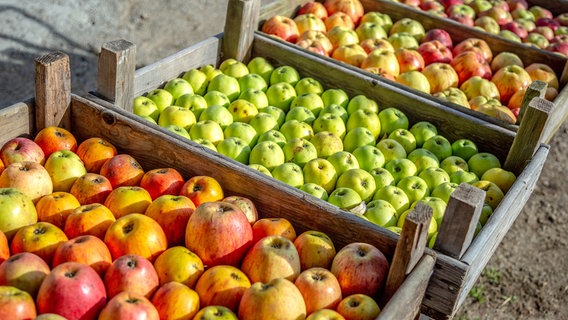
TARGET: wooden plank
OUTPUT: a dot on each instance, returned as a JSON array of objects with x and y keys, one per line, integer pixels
[
  {"x": 409, "y": 249},
  {"x": 286, "y": 8},
  {"x": 556, "y": 6},
  {"x": 557, "y": 117},
  {"x": 460, "y": 220},
  {"x": 536, "y": 89},
  {"x": 240, "y": 24},
  {"x": 17, "y": 120},
  {"x": 52, "y": 90},
  {"x": 529, "y": 135},
  {"x": 115, "y": 80}
]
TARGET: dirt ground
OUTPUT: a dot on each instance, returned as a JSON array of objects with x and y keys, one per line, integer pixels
[{"x": 526, "y": 278}]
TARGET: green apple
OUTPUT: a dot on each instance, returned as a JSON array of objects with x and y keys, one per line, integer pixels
[
  {"x": 308, "y": 85},
  {"x": 144, "y": 106},
  {"x": 432, "y": 239},
  {"x": 178, "y": 87},
  {"x": 234, "y": 148},
  {"x": 299, "y": 151},
  {"x": 263, "y": 122},
  {"x": 330, "y": 122},
  {"x": 150, "y": 119},
  {"x": 394, "y": 229},
  {"x": 410, "y": 26},
  {"x": 344, "y": 198},
  {"x": 382, "y": 19},
  {"x": 18, "y": 210},
  {"x": 309, "y": 100},
  {"x": 438, "y": 208},
  {"x": 205, "y": 143},
  {"x": 260, "y": 168},
  {"x": 361, "y": 102},
  {"x": 296, "y": 129},
  {"x": 262, "y": 67},
  {"x": 381, "y": 213},
  {"x": 301, "y": 114},
  {"x": 483, "y": 161},
  {"x": 343, "y": 161},
  {"x": 178, "y": 130},
  {"x": 326, "y": 143},
  {"x": 225, "y": 84},
  {"x": 434, "y": 176},
  {"x": 268, "y": 154},
  {"x": 357, "y": 137},
  {"x": 432, "y": 227},
  {"x": 461, "y": 176},
  {"x": 369, "y": 157},
  {"x": 278, "y": 114},
  {"x": 464, "y": 148},
  {"x": 403, "y": 40},
  {"x": 255, "y": 96},
  {"x": 64, "y": 167},
  {"x": 423, "y": 131},
  {"x": 444, "y": 191},
  {"x": 405, "y": 138},
  {"x": 242, "y": 110},
  {"x": 414, "y": 187},
  {"x": 504, "y": 179},
  {"x": 281, "y": 95},
  {"x": 486, "y": 212},
  {"x": 210, "y": 71},
  {"x": 286, "y": 74},
  {"x": 439, "y": 146},
  {"x": 198, "y": 81},
  {"x": 217, "y": 113},
  {"x": 382, "y": 177},
  {"x": 234, "y": 68},
  {"x": 400, "y": 168},
  {"x": 493, "y": 194},
  {"x": 252, "y": 81},
  {"x": 274, "y": 136},
  {"x": 337, "y": 110},
  {"x": 322, "y": 173},
  {"x": 453, "y": 163},
  {"x": 395, "y": 196},
  {"x": 242, "y": 130},
  {"x": 392, "y": 119},
  {"x": 216, "y": 98},
  {"x": 215, "y": 313},
  {"x": 391, "y": 149},
  {"x": 178, "y": 116},
  {"x": 364, "y": 118},
  {"x": 195, "y": 103},
  {"x": 314, "y": 190},
  {"x": 423, "y": 159},
  {"x": 161, "y": 98},
  {"x": 359, "y": 180},
  {"x": 289, "y": 173},
  {"x": 335, "y": 96},
  {"x": 207, "y": 130}
]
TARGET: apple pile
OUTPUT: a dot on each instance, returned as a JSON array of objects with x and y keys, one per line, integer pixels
[
  {"x": 86, "y": 233},
  {"x": 515, "y": 20},
  {"x": 342, "y": 150},
  {"x": 465, "y": 73}
]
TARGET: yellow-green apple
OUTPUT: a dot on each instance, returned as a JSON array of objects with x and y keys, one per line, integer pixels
[
  {"x": 214, "y": 97},
  {"x": 382, "y": 177},
  {"x": 86, "y": 249},
  {"x": 483, "y": 161},
  {"x": 286, "y": 74},
  {"x": 53, "y": 138},
  {"x": 132, "y": 273},
  {"x": 335, "y": 96},
  {"x": 434, "y": 176},
  {"x": 281, "y": 95},
  {"x": 381, "y": 213},
  {"x": 278, "y": 298},
  {"x": 486, "y": 213},
  {"x": 178, "y": 264},
  {"x": 215, "y": 313},
  {"x": 290, "y": 173},
  {"x": 271, "y": 257},
  {"x": 17, "y": 211},
  {"x": 315, "y": 249},
  {"x": 242, "y": 110},
  {"x": 282, "y": 27},
  {"x": 504, "y": 179},
  {"x": 353, "y": 8},
  {"x": 176, "y": 115},
  {"x": 440, "y": 76},
  {"x": 391, "y": 149},
  {"x": 316, "y": 8},
  {"x": 293, "y": 129},
  {"x": 161, "y": 98},
  {"x": 40, "y": 238},
  {"x": 278, "y": 114},
  {"x": 509, "y": 35},
  {"x": 206, "y": 144},
  {"x": 445, "y": 190},
  {"x": 208, "y": 130},
  {"x": 339, "y": 19},
  {"x": 479, "y": 86},
  {"x": 344, "y": 198},
  {"x": 225, "y": 84},
  {"x": 16, "y": 303},
  {"x": 487, "y": 24},
  {"x": 175, "y": 300},
  {"x": 252, "y": 81},
  {"x": 21, "y": 149},
  {"x": 325, "y": 314},
  {"x": 470, "y": 63},
  {"x": 500, "y": 14},
  {"x": 370, "y": 30},
  {"x": 415, "y": 187},
  {"x": 210, "y": 71},
  {"x": 261, "y": 66},
  {"x": 219, "y": 233},
  {"x": 328, "y": 122},
  {"x": 217, "y": 113},
  {"x": 302, "y": 114},
  {"x": 435, "y": 51},
  {"x": 198, "y": 81},
  {"x": 383, "y": 19},
  {"x": 369, "y": 157},
  {"x": 234, "y": 68},
  {"x": 359, "y": 180},
  {"x": 357, "y": 137},
  {"x": 414, "y": 79},
  {"x": 384, "y": 59},
  {"x": 395, "y": 196},
  {"x": 137, "y": 234},
  {"x": 540, "y": 12},
  {"x": 122, "y": 170},
  {"x": 235, "y": 148},
  {"x": 263, "y": 122},
  {"x": 410, "y": 26},
  {"x": 320, "y": 289},
  {"x": 360, "y": 268},
  {"x": 94, "y": 152},
  {"x": 463, "y": 176},
  {"x": 172, "y": 213},
  {"x": 64, "y": 167},
  {"x": 391, "y": 119},
  {"x": 308, "y": 85},
  {"x": 90, "y": 188},
  {"x": 93, "y": 219},
  {"x": 422, "y": 131},
  {"x": 493, "y": 108},
  {"x": 309, "y": 21},
  {"x": 464, "y": 148},
  {"x": 178, "y": 130},
  {"x": 177, "y": 87},
  {"x": 493, "y": 194},
  {"x": 222, "y": 285},
  {"x": 405, "y": 138},
  {"x": 452, "y": 164},
  {"x": 129, "y": 305},
  {"x": 320, "y": 172},
  {"x": 358, "y": 306},
  {"x": 73, "y": 290},
  {"x": 241, "y": 130},
  {"x": 267, "y": 153},
  {"x": 439, "y": 146},
  {"x": 273, "y": 227},
  {"x": 326, "y": 143},
  {"x": 29, "y": 177},
  {"x": 438, "y": 208},
  {"x": 24, "y": 271},
  {"x": 536, "y": 39},
  {"x": 352, "y": 54},
  {"x": 315, "y": 190},
  {"x": 364, "y": 118},
  {"x": 124, "y": 200}
]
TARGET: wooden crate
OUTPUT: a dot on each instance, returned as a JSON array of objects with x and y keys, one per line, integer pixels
[
  {"x": 459, "y": 33},
  {"x": 460, "y": 259},
  {"x": 54, "y": 104}
]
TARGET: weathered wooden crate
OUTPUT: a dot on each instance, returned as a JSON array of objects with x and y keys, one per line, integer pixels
[
  {"x": 458, "y": 32},
  {"x": 54, "y": 104},
  {"x": 460, "y": 259}
]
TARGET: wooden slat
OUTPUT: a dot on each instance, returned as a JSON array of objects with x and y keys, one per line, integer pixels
[
  {"x": 115, "y": 80},
  {"x": 460, "y": 220},
  {"x": 17, "y": 120},
  {"x": 536, "y": 89},
  {"x": 556, "y": 6},
  {"x": 240, "y": 24},
  {"x": 52, "y": 90}
]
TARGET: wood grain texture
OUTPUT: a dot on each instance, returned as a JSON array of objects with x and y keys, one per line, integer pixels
[
  {"x": 52, "y": 90},
  {"x": 241, "y": 22},
  {"x": 115, "y": 79},
  {"x": 535, "y": 89},
  {"x": 17, "y": 120},
  {"x": 556, "y": 6}
]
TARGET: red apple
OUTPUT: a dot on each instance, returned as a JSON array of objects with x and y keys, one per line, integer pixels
[
  {"x": 29, "y": 177},
  {"x": 313, "y": 46},
  {"x": 52, "y": 139},
  {"x": 320, "y": 38},
  {"x": 474, "y": 44},
  {"x": 277, "y": 299},
  {"x": 122, "y": 170},
  {"x": 86, "y": 249},
  {"x": 339, "y": 19},
  {"x": 434, "y": 51},
  {"x": 516, "y": 28},
  {"x": 131, "y": 273},
  {"x": 21, "y": 149},
  {"x": 91, "y": 188},
  {"x": 246, "y": 205},
  {"x": 25, "y": 271},
  {"x": 16, "y": 304},
  {"x": 469, "y": 64},
  {"x": 171, "y": 213},
  {"x": 93, "y": 219},
  {"x": 441, "y": 35},
  {"x": 371, "y": 44},
  {"x": 547, "y": 22},
  {"x": 273, "y": 227},
  {"x": 558, "y": 47},
  {"x": 175, "y": 300},
  {"x": 462, "y": 19},
  {"x": 129, "y": 306},
  {"x": 509, "y": 80},
  {"x": 94, "y": 152},
  {"x": 201, "y": 189},
  {"x": 353, "y": 8},
  {"x": 316, "y": 8},
  {"x": 320, "y": 289},
  {"x": 542, "y": 72},
  {"x": 282, "y": 27},
  {"x": 162, "y": 181},
  {"x": 56, "y": 207}
]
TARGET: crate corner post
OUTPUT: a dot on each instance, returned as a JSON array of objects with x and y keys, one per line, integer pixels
[{"x": 115, "y": 79}]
